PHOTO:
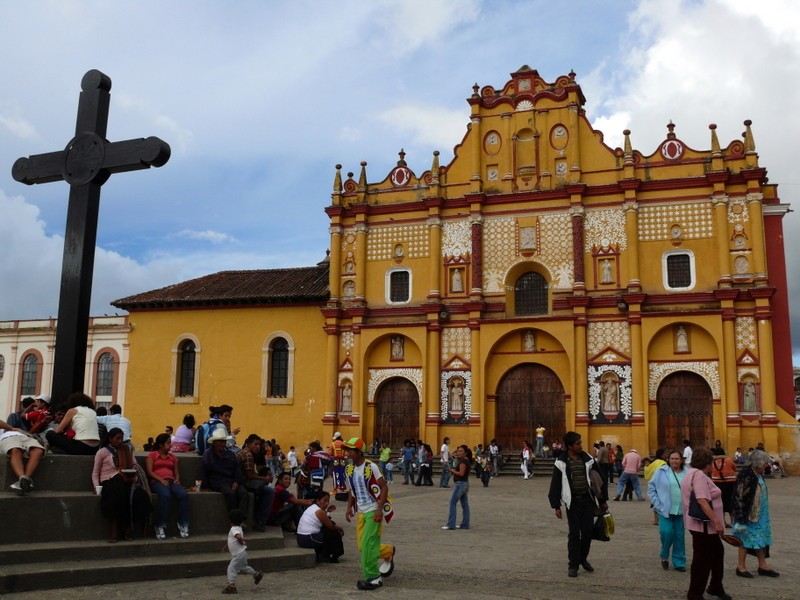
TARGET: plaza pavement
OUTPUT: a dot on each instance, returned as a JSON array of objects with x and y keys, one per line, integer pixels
[{"x": 516, "y": 548}]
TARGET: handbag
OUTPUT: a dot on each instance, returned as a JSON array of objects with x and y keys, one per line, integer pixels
[{"x": 695, "y": 512}]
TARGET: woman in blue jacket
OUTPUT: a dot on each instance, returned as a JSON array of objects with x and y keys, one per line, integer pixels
[{"x": 664, "y": 492}]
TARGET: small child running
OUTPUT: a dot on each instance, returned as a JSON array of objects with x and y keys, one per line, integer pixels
[{"x": 238, "y": 549}]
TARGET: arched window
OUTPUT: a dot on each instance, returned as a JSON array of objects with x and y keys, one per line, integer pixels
[
  {"x": 30, "y": 375},
  {"x": 530, "y": 294},
  {"x": 105, "y": 375},
  {"x": 186, "y": 368},
  {"x": 279, "y": 368}
]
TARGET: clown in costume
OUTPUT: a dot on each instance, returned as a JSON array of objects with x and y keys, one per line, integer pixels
[
  {"x": 336, "y": 450},
  {"x": 369, "y": 498}
]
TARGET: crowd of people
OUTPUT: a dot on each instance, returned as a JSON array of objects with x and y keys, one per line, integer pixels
[{"x": 703, "y": 490}]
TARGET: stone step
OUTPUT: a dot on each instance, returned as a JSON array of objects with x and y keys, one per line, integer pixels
[
  {"x": 47, "y": 516},
  {"x": 74, "y": 573}
]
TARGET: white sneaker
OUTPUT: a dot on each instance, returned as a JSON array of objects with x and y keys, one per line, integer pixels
[
  {"x": 17, "y": 487},
  {"x": 160, "y": 533},
  {"x": 183, "y": 530}
]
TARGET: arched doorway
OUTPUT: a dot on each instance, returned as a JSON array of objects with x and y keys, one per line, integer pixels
[
  {"x": 396, "y": 412},
  {"x": 528, "y": 394},
  {"x": 684, "y": 411}
]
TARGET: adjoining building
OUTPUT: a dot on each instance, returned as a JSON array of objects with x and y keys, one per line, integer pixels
[
  {"x": 541, "y": 276},
  {"x": 27, "y": 349}
]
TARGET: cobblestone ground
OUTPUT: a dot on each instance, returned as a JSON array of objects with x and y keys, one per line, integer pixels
[{"x": 516, "y": 548}]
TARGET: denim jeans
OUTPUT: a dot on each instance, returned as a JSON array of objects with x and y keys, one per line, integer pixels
[
  {"x": 164, "y": 494},
  {"x": 634, "y": 479},
  {"x": 460, "y": 493},
  {"x": 444, "y": 481}
]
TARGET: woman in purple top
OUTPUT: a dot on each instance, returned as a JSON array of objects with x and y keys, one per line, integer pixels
[{"x": 708, "y": 552}]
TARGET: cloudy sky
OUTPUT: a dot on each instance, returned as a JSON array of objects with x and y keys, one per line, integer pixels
[{"x": 259, "y": 100}]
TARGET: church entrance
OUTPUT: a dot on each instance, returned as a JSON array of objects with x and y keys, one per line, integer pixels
[
  {"x": 684, "y": 411},
  {"x": 396, "y": 412},
  {"x": 529, "y": 394}
]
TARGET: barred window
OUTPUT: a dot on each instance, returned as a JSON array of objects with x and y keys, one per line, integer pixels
[
  {"x": 105, "y": 375},
  {"x": 186, "y": 370},
  {"x": 279, "y": 368},
  {"x": 400, "y": 286},
  {"x": 30, "y": 374},
  {"x": 678, "y": 270},
  {"x": 530, "y": 295}
]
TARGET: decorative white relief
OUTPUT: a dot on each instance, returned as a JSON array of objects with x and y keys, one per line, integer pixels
[
  {"x": 349, "y": 239},
  {"x": 457, "y": 340},
  {"x": 695, "y": 221},
  {"x": 708, "y": 370},
  {"x": 344, "y": 376},
  {"x": 623, "y": 372},
  {"x": 742, "y": 372},
  {"x": 524, "y": 105},
  {"x": 347, "y": 340},
  {"x": 382, "y": 240},
  {"x": 604, "y": 227},
  {"x": 555, "y": 244},
  {"x": 616, "y": 334},
  {"x": 737, "y": 211},
  {"x": 746, "y": 337},
  {"x": 444, "y": 380},
  {"x": 499, "y": 251},
  {"x": 378, "y": 376},
  {"x": 456, "y": 238}
]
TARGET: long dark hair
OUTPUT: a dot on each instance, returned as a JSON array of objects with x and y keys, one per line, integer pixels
[{"x": 467, "y": 451}]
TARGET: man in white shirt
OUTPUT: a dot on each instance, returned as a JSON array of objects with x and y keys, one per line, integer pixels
[
  {"x": 444, "y": 455},
  {"x": 687, "y": 453}
]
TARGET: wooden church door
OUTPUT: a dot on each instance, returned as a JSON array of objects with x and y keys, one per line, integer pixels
[
  {"x": 528, "y": 394},
  {"x": 396, "y": 412},
  {"x": 684, "y": 411}
]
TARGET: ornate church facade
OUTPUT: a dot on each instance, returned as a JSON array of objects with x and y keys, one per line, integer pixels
[{"x": 540, "y": 277}]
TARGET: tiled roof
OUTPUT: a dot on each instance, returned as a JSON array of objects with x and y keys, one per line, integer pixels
[{"x": 263, "y": 286}]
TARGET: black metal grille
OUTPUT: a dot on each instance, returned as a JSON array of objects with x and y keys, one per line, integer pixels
[
  {"x": 279, "y": 368},
  {"x": 30, "y": 371},
  {"x": 530, "y": 295},
  {"x": 187, "y": 358},
  {"x": 399, "y": 286},
  {"x": 679, "y": 271},
  {"x": 105, "y": 375}
]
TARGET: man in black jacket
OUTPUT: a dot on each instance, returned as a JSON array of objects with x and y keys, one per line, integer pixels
[{"x": 571, "y": 484}]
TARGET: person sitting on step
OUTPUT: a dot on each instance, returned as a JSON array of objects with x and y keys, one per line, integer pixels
[{"x": 17, "y": 445}]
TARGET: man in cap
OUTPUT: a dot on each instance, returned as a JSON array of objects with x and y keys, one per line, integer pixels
[
  {"x": 572, "y": 485},
  {"x": 263, "y": 492},
  {"x": 38, "y": 416},
  {"x": 221, "y": 472},
  {"x": 336, "y": 450},
  {"x": 17, "y": 445},
  {"x": 369, "y": 497}
]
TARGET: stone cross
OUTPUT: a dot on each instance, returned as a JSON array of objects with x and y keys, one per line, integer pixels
[{"x": 85, "y": 164}]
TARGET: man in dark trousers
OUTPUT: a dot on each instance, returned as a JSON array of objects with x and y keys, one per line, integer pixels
[{"x": 571, "y": 484}]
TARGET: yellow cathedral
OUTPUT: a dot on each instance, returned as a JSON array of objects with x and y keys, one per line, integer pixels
[{"x": 539, "y": 277}]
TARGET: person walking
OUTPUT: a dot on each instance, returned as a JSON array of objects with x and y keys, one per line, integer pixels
[
  {"x": 631, "y": 463},
  {"x": 540, "y": 440},
  {"x": 664, "y": 491},
  {"x": 708, "y": 553},
  {"x": 407, "y": 455},
  {"x": 444, "y": 456},
  {"x": 369, "y": 498},
  {"x": 750, "y": 513},
  {"x": 525, "y": 458},
  {"x": 460, "y": 488},
  {"x": 237, "y": 546},
  {"x": 723, "y": 474},
  {"x": 570, "y": 485}
]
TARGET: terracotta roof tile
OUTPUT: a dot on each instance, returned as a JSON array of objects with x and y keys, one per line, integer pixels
[{"x": 263, "y": 286}]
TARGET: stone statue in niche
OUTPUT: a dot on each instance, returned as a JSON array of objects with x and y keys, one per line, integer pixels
[
  {"x": 529, "y": 341},
  {"x": 457, "y": 283},
  {"x": 606, "y": 271},
  {"x": 681, "y": 339},
  {"x": 527, "y": 238},
  {"x": 349, "y": 288},
  {"x": 349, "y": 267},
  {"x": 455, "y": 395},
  {"x": 739, "y": 242},
  {"x": 609, "y": 397},
  {"x": 741, "y": 265},
  {"x": 398, "y": 347},
  {"x": 749, "y": 403},
  {"x": 347, "y": 398}
]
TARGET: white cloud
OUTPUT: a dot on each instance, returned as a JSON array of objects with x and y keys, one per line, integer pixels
[
  {"x": 18, "y": 127},
  {"x": 426, "y": 125},
  {"x": 215, "y": 237}
]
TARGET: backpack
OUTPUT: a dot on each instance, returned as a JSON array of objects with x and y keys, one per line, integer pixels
[{"x": 204, "y": 432}]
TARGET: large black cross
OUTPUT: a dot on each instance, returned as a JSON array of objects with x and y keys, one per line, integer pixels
[{"x": 85, "y": 164}]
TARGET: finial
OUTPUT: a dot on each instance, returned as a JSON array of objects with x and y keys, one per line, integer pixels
[
  {"x": 671, "y": 127},
  {"x": 628, "y": 148},
  {"x": 749, "y": 142},
  {"x": 402, "y": 161},
  {"x": 435, "y": 166},
  {"x": 362, "y": 178},
  {"x": 571, "y": 75},
  {"x": 337, "y": 180},
  {"x": 715, "y": 149},
  {"x": 475, "y": 89}
]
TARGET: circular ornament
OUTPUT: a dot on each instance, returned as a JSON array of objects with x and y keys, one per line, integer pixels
[
  {"x": 672, "y": 149},
  {"x": 400, "y": 176}
]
